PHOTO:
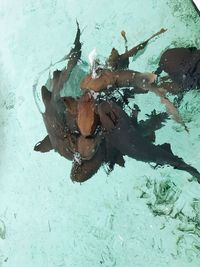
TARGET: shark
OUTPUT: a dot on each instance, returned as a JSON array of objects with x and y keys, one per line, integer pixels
[
  {"x": 125, "y": 137},
  {"x": 55, "y": 116}
]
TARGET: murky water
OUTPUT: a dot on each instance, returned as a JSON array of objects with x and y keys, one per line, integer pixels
[{"x": 136, "y": 216}]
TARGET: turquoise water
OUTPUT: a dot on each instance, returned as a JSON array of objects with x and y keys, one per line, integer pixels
[{"x": 136, "y": 216}]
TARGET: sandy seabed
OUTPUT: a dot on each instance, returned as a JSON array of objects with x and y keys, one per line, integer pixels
[{"x": 136, "y": 216}]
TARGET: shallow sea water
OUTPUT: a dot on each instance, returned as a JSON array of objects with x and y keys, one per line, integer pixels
[{"x": 136, "y": 216}]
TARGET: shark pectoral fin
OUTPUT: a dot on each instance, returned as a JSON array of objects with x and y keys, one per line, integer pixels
[
  {"x": 120, "y": 160},
  {"x": 166, "y": 147},
  {"x": 113, "y": 59},
  {"x": 46, "y": 94},
  {"x": 44, "y": 145}
]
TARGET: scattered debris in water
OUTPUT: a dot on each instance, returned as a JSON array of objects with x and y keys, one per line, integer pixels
[
  {"x": 2, "y": 229},
  {"x": 161, "y": 197}
]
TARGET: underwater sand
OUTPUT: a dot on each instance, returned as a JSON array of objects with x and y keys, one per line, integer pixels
[{"x": 136, "y": 216}]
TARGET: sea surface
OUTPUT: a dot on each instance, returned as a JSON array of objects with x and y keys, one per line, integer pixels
[{"x": 137, "y": 216}]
